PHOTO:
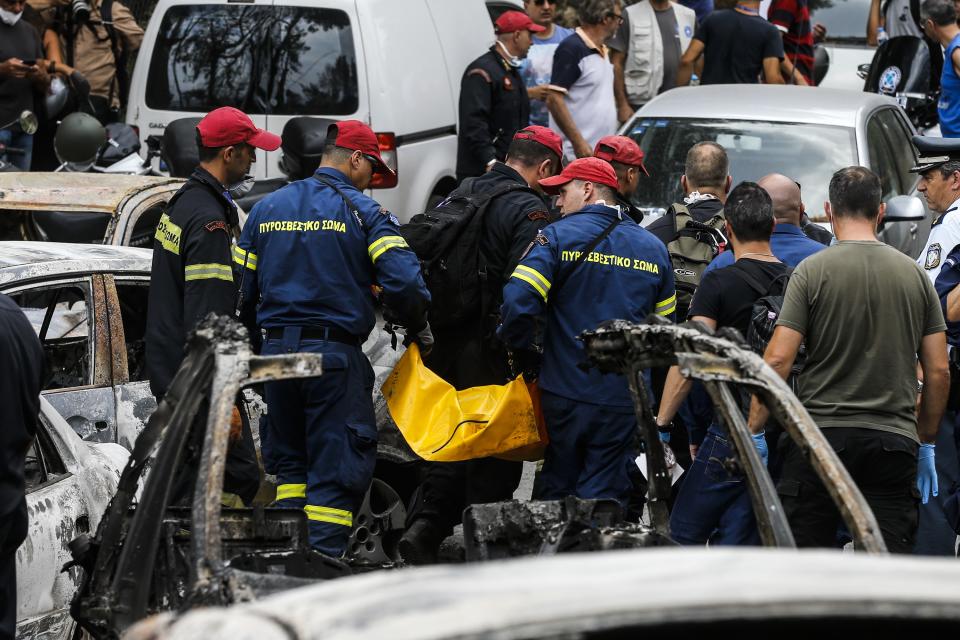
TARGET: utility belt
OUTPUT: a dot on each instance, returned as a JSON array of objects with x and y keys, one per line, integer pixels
[{"x": 329, "y": 334}]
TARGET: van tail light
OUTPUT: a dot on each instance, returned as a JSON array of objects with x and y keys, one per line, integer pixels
[{"x": 388, "y": 151}]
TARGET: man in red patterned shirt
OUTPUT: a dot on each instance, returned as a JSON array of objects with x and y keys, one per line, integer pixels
[{"x": 792, "y": 18}]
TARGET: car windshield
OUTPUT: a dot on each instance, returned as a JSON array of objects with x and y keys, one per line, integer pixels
[
  {"x": 808, "y": 153},
  {"x": 845, "y": 20},
  {"x": 261, "y": 59}
]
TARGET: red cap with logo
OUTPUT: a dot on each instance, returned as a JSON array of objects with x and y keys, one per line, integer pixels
[
  {"x": 620, "y": 149},
  {"x": 510, "y": 21},
  {"x": 588, "y": 169},
  {"x": 227, "y": 126},
  {"x": 357, "y": 136},
  {"x": 543, "y": 135}
]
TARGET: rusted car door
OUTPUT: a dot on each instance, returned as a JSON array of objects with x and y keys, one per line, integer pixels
[
  {"x": 126, "y": 302},
  {"x": 70, "y": 316}
]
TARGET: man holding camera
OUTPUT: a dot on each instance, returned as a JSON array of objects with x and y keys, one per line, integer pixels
[
  {"x": 21, "y": 78},
  {"x": 99, "y": 36}
]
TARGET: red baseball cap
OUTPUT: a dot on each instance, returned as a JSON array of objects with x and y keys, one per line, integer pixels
[
  {"x": 620, "y": 149},
  {"x": 543, "y": 135},
  {"x": 510, "y": 21},
  {"x": 227, "y": 126},
  {"x": 589, "y": 169},
  {"x": 357, "y": 136}
]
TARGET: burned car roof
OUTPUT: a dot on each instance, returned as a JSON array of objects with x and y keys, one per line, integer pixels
[
  {"x": 75, "y": 191},
  {"x": 585, "y": 595},
  {"x": 21, "y": 261}
]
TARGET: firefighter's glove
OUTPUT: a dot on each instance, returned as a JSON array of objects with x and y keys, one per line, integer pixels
[
  {"x": 927, "y": 472},
  {"x": 423, "y": 338},
  {"x": 525, "y": 362},
  {"x": 760, "y": 442}
]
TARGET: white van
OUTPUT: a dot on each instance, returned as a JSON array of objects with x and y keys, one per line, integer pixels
[{"x": 395, "y": 64}]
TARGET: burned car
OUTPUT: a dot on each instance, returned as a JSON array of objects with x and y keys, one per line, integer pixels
[
  {"x": 88, "y": 304},
  {"x": 176, "y": 549},
  {"x": 69, "y": 484},
  {"x": 82, "y": 207}
]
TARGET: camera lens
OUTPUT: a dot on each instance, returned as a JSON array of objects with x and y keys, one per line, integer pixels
[{"x": 81, "y": 10}]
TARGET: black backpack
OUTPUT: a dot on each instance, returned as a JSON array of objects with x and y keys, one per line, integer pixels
[
  {"x": 446, "y": 239},
  {"x": 764, "y": 315}
]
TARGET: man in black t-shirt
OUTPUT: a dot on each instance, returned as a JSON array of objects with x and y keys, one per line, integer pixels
[
  {"x": 714, "y": 504},
  {"x": 738, "y": 45}
]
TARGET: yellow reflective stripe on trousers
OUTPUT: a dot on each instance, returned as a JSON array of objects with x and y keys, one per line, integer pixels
[
  {"x": 246, "y": 259},
  {"x": 287, "y": 491},
  {"x": 386, "y": 242},
  {"x": 329, "y": 514},
  {"x": 534, "y": 278},
  {"x": 208, "y": 271},
  {"x": 666, "y": 307},
  {"x": 168, "y": 234}
]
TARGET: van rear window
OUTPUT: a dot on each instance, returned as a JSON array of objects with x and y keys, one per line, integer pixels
[{"x": 271, "y": 60}]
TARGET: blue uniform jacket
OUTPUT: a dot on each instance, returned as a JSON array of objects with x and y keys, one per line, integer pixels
[
  {"x": 947, "y": 281},
  {"x": 306, "y": 260},
  {"x": 788, "y": 242},
  {"x": 628, "y": 276}
]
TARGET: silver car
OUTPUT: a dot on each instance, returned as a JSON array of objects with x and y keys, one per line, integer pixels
[{"x": 801, "y": 132}]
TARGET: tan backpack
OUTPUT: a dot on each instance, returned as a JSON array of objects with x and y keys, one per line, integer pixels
[{"x": 697, "y": 243}]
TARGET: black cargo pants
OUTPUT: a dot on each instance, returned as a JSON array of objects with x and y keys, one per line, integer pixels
[{"x": 884, "y": 468}]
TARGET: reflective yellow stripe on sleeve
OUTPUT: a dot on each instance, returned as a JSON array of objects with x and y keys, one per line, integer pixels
[
  {"x": 383, "y": 244},
  {"x": 666, "y": 307},
  {"x": 246, "y": 259},
  {"x": 208, "y": 271},
  {"x": 329, "y": 514},
  {"x": 288, "y": 491},
  {"x": 534, "y": 278}
]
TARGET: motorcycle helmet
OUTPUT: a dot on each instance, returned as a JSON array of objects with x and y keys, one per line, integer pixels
[{"x": 78, "y": 140}]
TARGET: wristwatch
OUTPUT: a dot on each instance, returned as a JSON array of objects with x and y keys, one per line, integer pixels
[
  {"x": 919, "y": 386},
  {"x": 665, "y": 428}
]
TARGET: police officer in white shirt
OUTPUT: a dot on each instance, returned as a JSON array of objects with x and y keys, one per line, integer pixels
[{"x": 939, "y": 169}]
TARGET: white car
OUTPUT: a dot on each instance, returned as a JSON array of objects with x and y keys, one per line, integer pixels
[
  {"x": 69, "y": 484},
  {"x": 393, "y": 64},
  {"x": 804, "y": 133}
]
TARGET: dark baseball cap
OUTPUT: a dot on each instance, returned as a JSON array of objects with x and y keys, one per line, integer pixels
[
  {"x": 510, "y": 21},
  {"x": 620, "y": 149},
  {"x": 228, "y": 126},
  {"x": 588, "y": 169},
  {"x": 543, "y": 135},
  {"x": 357, "y": 136}
]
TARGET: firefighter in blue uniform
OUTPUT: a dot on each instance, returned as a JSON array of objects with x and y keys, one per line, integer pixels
[
  {"x": 309, "y": 257},
  {"x": 625, "y": 273}
]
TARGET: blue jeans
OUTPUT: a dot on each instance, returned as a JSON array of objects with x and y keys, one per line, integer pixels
[
  {"x": 713, "y": 504},
  {"x": 323, "y": 438},
  {"x": 18, "y": 140},
  {"x": 589, "y": 447}
]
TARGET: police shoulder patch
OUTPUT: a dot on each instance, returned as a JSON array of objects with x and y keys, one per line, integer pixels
[
  {"x": 932, "y": 261},
  {"x": 538, "y": 215},
  {"x": 217, "y": 225}
]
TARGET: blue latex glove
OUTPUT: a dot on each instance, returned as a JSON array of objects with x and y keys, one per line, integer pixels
[
  {"x": 760, "y": 442},
  {"x": 927, "y": 472},
  {"x": 664, "y": 436}
]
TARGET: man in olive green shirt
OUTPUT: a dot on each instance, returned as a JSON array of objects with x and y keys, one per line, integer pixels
[{"x": 866, "y": 313}]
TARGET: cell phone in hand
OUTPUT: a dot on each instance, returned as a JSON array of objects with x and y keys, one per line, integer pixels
[{"x": 29, "y": 63}]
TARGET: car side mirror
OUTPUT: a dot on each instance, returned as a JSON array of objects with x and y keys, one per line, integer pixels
[
  {"x": 905, "y": 209},
  {"x": 863, "y": 70}
]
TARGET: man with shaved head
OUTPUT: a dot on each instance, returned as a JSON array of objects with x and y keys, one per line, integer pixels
[{"x": 789, "y": 243}]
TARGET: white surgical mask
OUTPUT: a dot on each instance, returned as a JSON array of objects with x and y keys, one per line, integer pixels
[
  {"x": 242, "y": 188},
  {"x": 9, "y": 17},
  {"x": 512, "y": 60}
]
